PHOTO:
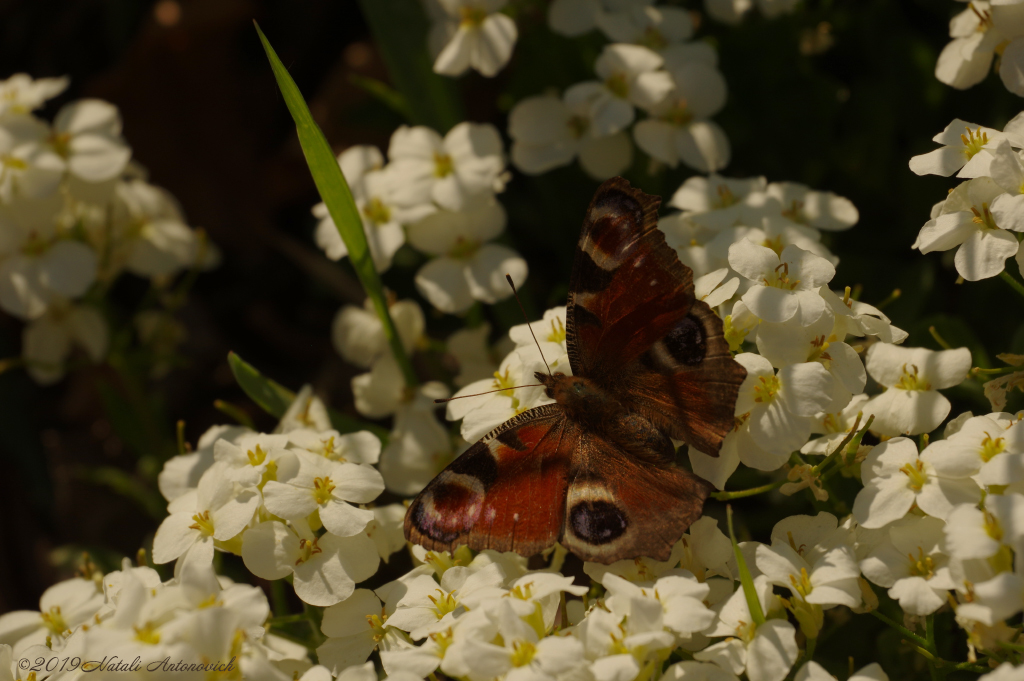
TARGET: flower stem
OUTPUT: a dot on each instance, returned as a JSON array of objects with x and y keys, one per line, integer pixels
[
  {"x": 911, "y": 636},
  {"x": 943, "y": 343},
  {"x": 753, "y": 491},
  {"x": 1014, "y": 284}
]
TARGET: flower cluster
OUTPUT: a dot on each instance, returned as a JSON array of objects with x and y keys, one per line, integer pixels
[
  {"x": 980, "y": 33},
  {"x": 131, "y": 621},
  {"x": 75, "y": 213},
  {"x": 981, "y": 216},
  {"x": 437, "y": 194},
  {"x": 649, "y": 65}
]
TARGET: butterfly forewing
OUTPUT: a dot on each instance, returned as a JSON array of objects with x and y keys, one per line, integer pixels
[
  {"x": 506, "y": 492},
  {"x": 628, "y": 287}
]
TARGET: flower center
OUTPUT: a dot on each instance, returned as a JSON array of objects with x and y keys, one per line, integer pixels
[
  {"x": 443, "y": 166},
  {"x": 60, "y": 142},
  {"x": 654, "y": 39},
  {"x": 376, "y": 623},
  {"x": 992, "y": 526},
  {"x": 464, "y": 248},
  {"x": 503, "y": 382},
  {"x": 779, "y": 278},
  {"x": 679, "y": 115},
  {"x": 774, "y": 244},
  {"x": 618, "y": 85},
  {"x": 13, "y": 162},
  {"x": 983, "y": 218},
  {"x": 973, "y": 140},
  {"x": 557, "y": 334},
  {"x": 578, "y": 126},
  {"x": 909, "y": 380},
  {"x": 922, "y": 566},
  {"x": 802, "y": 585},
  {"x": 725, "y": 197},
  {"x": 766, "y": 388},
  {"x": 984, "y": 18},
  {"x": 819, "y": 351},
  {"x": 522, "y": 653},
  {"x": 795, "y": 212},
  {"x": 471, "y": 17},
  {"x": 147, "y": 634},
  {"x": 1001, "y": 560},
  {"x": 377, "y": 212},
  {"x": 202, "y": 523},
  {"x": 915, "y": 473},
  {"x": 990, "y": 447},
  {"x": 444, "y": 604},
  {"x": 322, "y": 489},
  {"x": 307, "y": 549},
  {"x": 54, "y": 620}
]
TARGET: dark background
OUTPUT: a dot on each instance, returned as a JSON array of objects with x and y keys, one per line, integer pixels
[{"x": 203, "y": 114}]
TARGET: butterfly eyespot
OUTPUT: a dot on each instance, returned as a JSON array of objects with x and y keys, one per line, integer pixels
[
  {"x": 597, "y": 522},
  {"x": 686, "y": 342}
]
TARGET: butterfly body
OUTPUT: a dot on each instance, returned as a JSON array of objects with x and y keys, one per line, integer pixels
[{"x": 596, "y": 469}]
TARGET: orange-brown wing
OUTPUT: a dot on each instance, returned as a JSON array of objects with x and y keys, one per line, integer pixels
[
  {"x": 627, "y": 289},
  {"x": 687, "y": 382},
  {"x": 618, "y": 506},
  {"x": 506, "y": 492}
]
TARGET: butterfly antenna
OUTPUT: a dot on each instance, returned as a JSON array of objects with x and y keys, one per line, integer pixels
[
  {"x": 442, "y": 400},
  {"x": 528, "y": 324}
]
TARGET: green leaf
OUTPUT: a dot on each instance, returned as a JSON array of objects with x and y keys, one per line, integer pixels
[
  {"x": 749, "y": 592},
  {"x": 274, "y": 398},
  {"x": 334, "y": 191},
  {"x": 271, "y": 396},
  {"x": 400, "y": 30}
]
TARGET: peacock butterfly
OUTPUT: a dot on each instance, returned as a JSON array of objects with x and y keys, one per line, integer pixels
[{"x": 596, "y": 470}]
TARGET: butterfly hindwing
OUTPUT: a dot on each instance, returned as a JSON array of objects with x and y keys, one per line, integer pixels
[
  {"x": 620, "y": 507},
  {"x": 628, "y": 287},
  {"x": 506, "y": 492},
  {"x": 687, "y": 382}
]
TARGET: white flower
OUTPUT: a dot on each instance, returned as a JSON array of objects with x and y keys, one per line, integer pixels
[
  {"x": 358, "y": 448},
  {"x": 967, "y": 59},
  {"x": 975, "y": 217},
  {"x": 355, "y": 627},
  {"x": 326, "y": 568},
  {"x": 37, "y": 268},
  {"x": 47, "y": 341},
  {"x": 467, "y": 268},
  {"x": 30, "y": 169},
  {"x": 325, "y": 487},
  {"x": 21, "y": 94},
  {"x": 991, "y": 447},
  {"x": 217, "y": 511},
  {"x": 716, "y": 201},
  {"x": 255, "y": 458},
  {"x": 468, "y": 162},
  {"x": 766, "y": 651},
  {"x": 471, "y": 349},
  {"x": 804, "y": 206},
  {"x": 812, "y": 557},
  {"x": 674, "y": 601},
  {"x": 895, "y": 478},
  {"x": 812, "y": 671},
  {"x": 912, "y": 377},
  {"x": 711, "y": 289},
  {"x": 62, "y": 609},
  {"x": 428, "y": 607},
  {"x": 1004, "y": 672},
  {"x": 87, "y": 135},
  {"x": 774, "y": 232},
  {"x": 630, "y": 75},
  {"x": 358, "y": 334},
  {"x": 480, "y": 37},
  {"x": 573, "y": 17},
  {"x": 697, "y": 671},
  {"x": 182, "y": 473},
  {"x": 834, "y": 427},
  {"x": 155, "y": 240},
  {"x": 640, "y": 23},
  {"x": 382, "y": 391},
  {"x": 418, "y": 448},
  {"x": 743, "y": 446},
  {"x": 548, "y": 132},
  {"x": 550, "y": 329},
  {"x": 782, "y": 404},
  {"x": 982, "y": 533},
  {"x": 965, "y": 147},
  {"x": 783, "y": 284},
  {"x": 913, "y": 565},
  {"x": 790, "y": 343},
  {"x": 855, "y": 318},
  {"x": 728, "y": 11}
]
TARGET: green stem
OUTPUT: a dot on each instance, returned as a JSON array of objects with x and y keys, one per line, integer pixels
[
  {"x": 1014, "y": 284},
  {"x": 907, "y": 633},
  {"x": 929, "y": 631},
  {"x": 753, "y": 491},
  {"x": 279, "y": 599},
  {"x": 286, "y": 619},
  {"x": 939, "y": 339},
  {"x": 809, "y": 651}
]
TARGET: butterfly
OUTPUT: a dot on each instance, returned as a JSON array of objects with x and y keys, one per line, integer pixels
[{"x": 596, "y": 470}]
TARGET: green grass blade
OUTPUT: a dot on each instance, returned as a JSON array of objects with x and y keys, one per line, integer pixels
[
  {"x": 400, "y": 31},
  {"x": 274, "y": 398},
  {"x": 337, "y": 196}
]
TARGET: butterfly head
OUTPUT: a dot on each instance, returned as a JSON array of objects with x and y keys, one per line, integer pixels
[{"x": 573, "y": 392}]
